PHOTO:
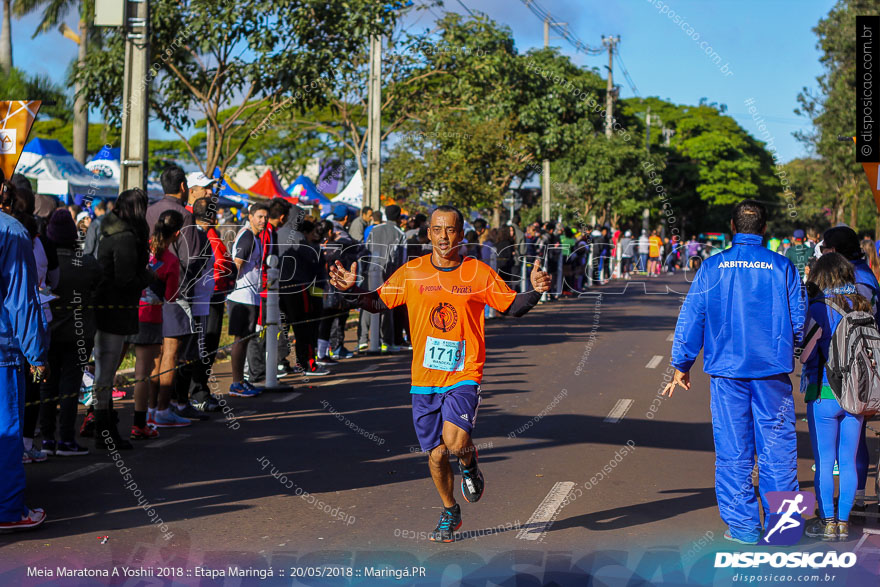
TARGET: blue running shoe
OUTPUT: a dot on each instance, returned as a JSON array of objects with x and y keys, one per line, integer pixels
[
  {"x": 472, "y": 483},
  {"x": 450, "y": 521},
  {"x": 243, "y": 390}
]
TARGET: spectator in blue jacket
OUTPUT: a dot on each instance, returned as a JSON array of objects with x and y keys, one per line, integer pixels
[
  {"x": 844, "y": 240},
  {"x": 745, "y": 309},
  {"x": 834, "y": 433},
  {"x": 23, "y": 340}
]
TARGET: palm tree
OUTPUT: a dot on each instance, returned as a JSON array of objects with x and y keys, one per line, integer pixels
[
  {"x": 6, "y": 39},
  {"x": 54, "y": 12}
]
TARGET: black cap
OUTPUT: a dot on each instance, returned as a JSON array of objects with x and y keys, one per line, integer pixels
[{"x": 844, "y": 240}]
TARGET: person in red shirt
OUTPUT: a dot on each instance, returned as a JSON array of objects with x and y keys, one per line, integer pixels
[
  {"x": 148, "y": 341},
  {"x": 445, "y": 297}
]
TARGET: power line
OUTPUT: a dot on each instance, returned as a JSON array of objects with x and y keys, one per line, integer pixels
[
  {"x": 629, "y": 80},
  {"x": 561, "y": 29},
  {"x": 468, "y": 9}
]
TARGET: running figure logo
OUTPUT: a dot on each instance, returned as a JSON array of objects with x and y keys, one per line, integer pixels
[
  {"x": 444, "y": 317},
  {"x": 786, "y": 526}
]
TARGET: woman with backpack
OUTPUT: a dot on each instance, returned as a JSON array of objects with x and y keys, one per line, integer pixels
[
  {"x": 148, "y": 340},
  {"x": 123, "y": 255},
  {"x": 834, "y": 433}
]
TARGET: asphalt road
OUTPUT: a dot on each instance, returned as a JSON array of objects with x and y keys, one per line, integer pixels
[{"x": 587, "y": 469}]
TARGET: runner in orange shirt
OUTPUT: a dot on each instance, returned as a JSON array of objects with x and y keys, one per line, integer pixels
[
  {"x": 445, "y": 297},
  {"x": 655, "y": 244}
]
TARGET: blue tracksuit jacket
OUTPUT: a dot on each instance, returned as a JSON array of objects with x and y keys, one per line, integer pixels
[{"x": 744, "y": 309}]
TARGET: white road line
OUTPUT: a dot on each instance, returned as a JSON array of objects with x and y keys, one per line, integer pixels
[
  {"x": 335, "y": 381},
  {"x": 540, "y": 522},
  {"x": 167, "y": 441},
  {"x": 286, "y": 398},
  {"x": 369, "y": 368},
  {"x": 619, "y": 411},
  {"x": 81, "y": 472},
  {"x": 655, "y": 360},
  {"x": 671, "y": 337}
]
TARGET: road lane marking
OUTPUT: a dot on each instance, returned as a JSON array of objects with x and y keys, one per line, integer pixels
[
  {"x": 655, "y": 360},
  {"x": 671, "y": 337},
  {"x": 287, "y": 398},
  {"x": 369, "y": 368},
  {"x": 167, "y": 441},
  {"x": 244, "y": 414},
  {"x": 619, "y": 411},
  {"x": 540, "y": 521},
  {"x": 81, "y": 472}
]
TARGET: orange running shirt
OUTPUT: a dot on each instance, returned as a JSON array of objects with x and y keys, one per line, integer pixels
[
  {"x": 446, "y": 319},
  {"x": 655, "y": 243}
]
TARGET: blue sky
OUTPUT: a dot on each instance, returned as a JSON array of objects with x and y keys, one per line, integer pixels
[{"x": 768, "y": 45}]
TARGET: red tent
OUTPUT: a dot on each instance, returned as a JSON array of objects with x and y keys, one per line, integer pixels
[{"x": 269, "y": 186}]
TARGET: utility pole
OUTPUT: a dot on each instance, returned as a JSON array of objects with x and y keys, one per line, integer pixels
[
  {"x": 545, "y": 171},
  {"x": 609, "y": 42},
  {"x": 135, "y": 96},
  {"x": 374, "y": 124}
]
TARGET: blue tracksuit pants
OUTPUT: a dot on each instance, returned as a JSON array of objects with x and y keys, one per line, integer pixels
[
  {"x": 749, "y": 417},
  {"x": 11, "y": 470}
]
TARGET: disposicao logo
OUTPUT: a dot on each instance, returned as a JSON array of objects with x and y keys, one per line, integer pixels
[
  {"x": 786, "y": 526},
  {"x": 789, "y": 560}
]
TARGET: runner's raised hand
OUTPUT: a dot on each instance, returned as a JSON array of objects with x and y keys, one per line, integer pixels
[
  {"x": 343, "y": 279},
  {"x": 540, "y": 279}
]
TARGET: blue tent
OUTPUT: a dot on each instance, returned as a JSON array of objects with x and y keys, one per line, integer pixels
[
  {"x": 231, "y": 194},
  {"x": 305, "y": 190}
]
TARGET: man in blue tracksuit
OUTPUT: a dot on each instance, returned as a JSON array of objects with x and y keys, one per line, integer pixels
[
  {"x": 745, "y": 309},
  {"x": 23, "y": 335},
  {"x": 844, "y": 240}
]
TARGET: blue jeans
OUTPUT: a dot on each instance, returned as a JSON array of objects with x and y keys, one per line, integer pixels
[{"x": 834, "y": 435}]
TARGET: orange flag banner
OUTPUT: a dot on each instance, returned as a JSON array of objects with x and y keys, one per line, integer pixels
[
  {"x": 873, "y": 179},
  {"x": 16, "y": 119}
]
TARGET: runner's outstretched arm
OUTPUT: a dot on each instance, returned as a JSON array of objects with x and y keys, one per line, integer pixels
[
  {"x": 522, "y": 303},
  {"x": 345, "y": 280},
  {"x": 525, "y": 301}
]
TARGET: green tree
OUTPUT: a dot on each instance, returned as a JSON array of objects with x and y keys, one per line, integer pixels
[
  {"x": 830, "y": 109},
  {"x": 17, "y": 85},
  {"x": 54, "y": 12},
  {"x": 235, "y": 65}
]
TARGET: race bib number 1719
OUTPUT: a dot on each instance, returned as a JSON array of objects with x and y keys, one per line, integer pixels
[{"x": 444, "y": 355}]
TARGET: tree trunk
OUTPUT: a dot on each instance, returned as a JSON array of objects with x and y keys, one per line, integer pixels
[
  {"x": 6, "y": 40},
  {"x": 80, "y": 104},
  {"x": 496, "y": 216},
  {"x": 854, "y": 211}
]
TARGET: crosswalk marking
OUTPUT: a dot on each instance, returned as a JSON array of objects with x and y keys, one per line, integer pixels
[
  {"x": 81, "y": 472},
  {"x": 167, "y": 441},
  {"x": 619, "y": 411},
  {"x": 655, "y": 360},
  {"x": 671, "y": 337},
  {"x": 542, "y": 518},
  {"x": 288, "y": 397}
]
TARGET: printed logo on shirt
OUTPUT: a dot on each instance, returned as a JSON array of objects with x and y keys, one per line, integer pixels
[
  {"x": 745, "y": 265},
  {"x": 444, "y": 317},
  {"x": 424, "y": 288},
  {"x": 461, "y": 289},
  {"x": 464, "y": 417}
]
